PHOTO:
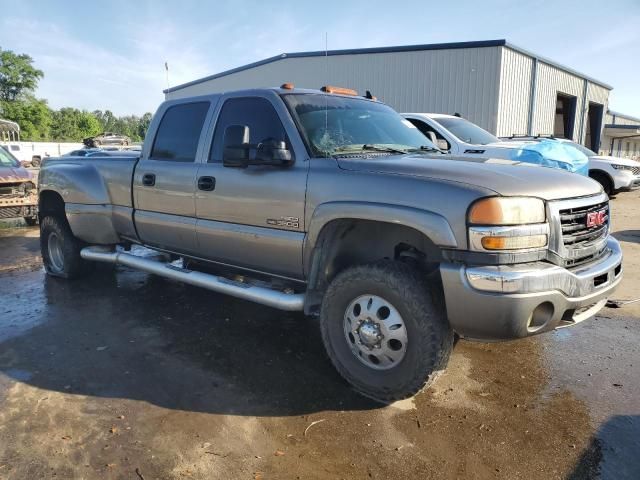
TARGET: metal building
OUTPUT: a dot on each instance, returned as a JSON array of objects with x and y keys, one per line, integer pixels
[
  {"x": 501, "y": 87},
  {"x": 621, "y": 137}
]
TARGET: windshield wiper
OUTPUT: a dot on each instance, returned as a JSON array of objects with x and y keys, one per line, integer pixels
[
  {"x": 382, "y": 148},
  {"x": 352, "y": 149}
]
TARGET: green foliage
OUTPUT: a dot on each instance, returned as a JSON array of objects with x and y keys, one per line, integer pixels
[
  {"x": 18, "y": 76},
  {"x": 19, "y": 79},
  {"x": 33, "y": 116},
  {"x": 132, "y": 126},
  {"x": 73, "y": 125}
]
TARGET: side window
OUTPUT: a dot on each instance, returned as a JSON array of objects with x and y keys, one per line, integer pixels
[
  {"x": 179, "y": 132},
  {"x": 426, "y": 128},
  {"x": 255, "y": 112}
]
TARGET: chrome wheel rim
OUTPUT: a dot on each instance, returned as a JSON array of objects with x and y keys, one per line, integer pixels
[
  {"x": 56, "y": 257},
  {"x": 375, "y": 332}
]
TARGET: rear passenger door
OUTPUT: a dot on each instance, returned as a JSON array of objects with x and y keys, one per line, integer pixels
[
  {"x": 164, "y": 180},
  {"x": 253, "y": 217}
]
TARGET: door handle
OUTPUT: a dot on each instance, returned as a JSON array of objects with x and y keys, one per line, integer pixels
[
  {"x": 148, "y": 179},
  {"x": 207, "y": 184}
]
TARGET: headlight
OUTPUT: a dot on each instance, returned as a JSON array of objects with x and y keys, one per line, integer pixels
[
  {"x": 508, "y": 224},
  {"x": 622, "y": 167},
  {"x": 507, "y": 211}
]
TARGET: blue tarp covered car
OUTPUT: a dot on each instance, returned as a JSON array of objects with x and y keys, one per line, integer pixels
[{"x": 551, "y": 153}]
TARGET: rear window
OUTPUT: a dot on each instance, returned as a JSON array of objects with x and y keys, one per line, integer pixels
[{"x": 179, "y": 132}]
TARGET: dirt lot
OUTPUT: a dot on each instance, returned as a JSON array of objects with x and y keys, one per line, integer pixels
[{"x": 127, "y": 376}]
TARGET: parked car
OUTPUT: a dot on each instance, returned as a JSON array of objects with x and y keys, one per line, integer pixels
[
  {"x": 107, "y": 138},
  {"x": 18, "y": 193},
  {"x": 613, "y": 173},
  {"x": 333, "y": 204},
  {"x": 462, "y": 138}
]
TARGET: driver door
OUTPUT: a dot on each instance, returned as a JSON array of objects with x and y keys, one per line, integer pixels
[{"x": 252, "y": 217}]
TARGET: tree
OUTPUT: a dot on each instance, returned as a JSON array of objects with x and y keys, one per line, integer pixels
[
  {"x": 73, "y": 125},
  {"x": 33, "y": 116},
  {"x": 18, "y": 76},
  {"x": 143, "y": 125}
]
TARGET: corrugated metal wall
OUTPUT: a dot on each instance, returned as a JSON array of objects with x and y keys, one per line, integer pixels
[
  {"x": 491, "y": 86},
  {"x": 620, "y": 120},
  {"x": 514, "y": 93},
  {"x": 440, "y": 81},
  {"x": 515, "y": 96},
  {"x": 620, "y": 147}
]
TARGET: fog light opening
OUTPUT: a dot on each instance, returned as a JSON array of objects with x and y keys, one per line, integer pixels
[{"x": 540, "y": 317}]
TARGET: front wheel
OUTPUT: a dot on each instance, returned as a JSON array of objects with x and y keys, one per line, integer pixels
[
  {"x": 385, "y": 329},
  {"x": 60, "y": 249}
]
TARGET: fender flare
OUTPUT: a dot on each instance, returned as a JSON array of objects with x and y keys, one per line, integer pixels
[{"x": 433, "y": 225}]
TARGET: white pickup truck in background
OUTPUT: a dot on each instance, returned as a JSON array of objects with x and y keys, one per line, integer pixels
[
  {"x": 32, "y": 153},
  {"x": 458, "y": 136}
]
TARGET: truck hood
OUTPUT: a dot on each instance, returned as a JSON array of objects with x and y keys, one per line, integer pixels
[
  {"x": 504, "y": 177},
  {"x": 14, "y": 174}
]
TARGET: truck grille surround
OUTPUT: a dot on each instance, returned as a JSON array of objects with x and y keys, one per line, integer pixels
[{"x": 580, "y": 229}]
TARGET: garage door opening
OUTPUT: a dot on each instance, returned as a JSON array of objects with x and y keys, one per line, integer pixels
[
  {"x": 594, "y": 126},
  {"x": 565, "y": 116}
]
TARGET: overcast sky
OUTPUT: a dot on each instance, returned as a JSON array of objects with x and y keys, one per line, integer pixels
[{"x": 111, "y": 54}]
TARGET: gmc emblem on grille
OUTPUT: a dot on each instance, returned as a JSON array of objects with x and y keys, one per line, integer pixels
[{"x": 595, "y": 219}]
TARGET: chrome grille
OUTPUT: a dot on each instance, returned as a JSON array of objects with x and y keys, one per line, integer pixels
[
  {"x": 578, "y": 238},
  {"x": 635, "y": 170}
]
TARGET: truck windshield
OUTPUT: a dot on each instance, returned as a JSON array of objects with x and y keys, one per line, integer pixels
[
  {"x": 334, "y": 125},
  {"x": 8, "y": 160},
  {"x": 466, "y": 131}
]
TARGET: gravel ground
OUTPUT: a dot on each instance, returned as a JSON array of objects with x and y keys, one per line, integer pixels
[{"x": 128, "y": 376}]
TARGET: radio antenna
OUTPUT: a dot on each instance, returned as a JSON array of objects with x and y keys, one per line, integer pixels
[{"x": 326, "y": 74}]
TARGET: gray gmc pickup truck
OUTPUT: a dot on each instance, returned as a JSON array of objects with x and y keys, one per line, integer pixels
[{"x": 332, "y": 204}]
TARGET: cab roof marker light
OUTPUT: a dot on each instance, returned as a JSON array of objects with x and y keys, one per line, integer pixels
[
  {"x": 287, "y": 86},
  {"x": 339, "y": 90}
]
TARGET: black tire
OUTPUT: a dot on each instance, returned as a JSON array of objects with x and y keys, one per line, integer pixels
[
  {"x": 604, "y": 180},
  {"x": 419, "y": 302},
  {"x": 63, "y": 261},
  {"x": 31, "y": 221}
]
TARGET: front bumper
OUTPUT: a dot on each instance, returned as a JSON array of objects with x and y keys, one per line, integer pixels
[
  {"x": 624, "y": 180},
  {"x": 14, "y": 207},
  {"x": 514, "y": 301}
]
